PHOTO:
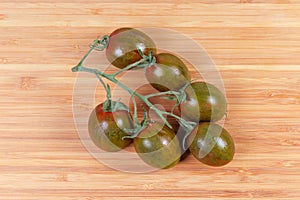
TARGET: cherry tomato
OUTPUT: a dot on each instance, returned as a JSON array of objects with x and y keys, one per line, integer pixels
[
  {"x": 168, "y": 73},
  {"x": 211, "y": 144},
  {"x": 106, "y": 129},
  {"x": 158, "y": 146},
  {"x": 204, "y": 102},
  {"x": 123, "y": 44}
]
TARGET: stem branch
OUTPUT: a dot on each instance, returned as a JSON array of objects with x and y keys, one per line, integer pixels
[
  {"x": 162, "y": 93},
  {"x": 146, "y": 60}
]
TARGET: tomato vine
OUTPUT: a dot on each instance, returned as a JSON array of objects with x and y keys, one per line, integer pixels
[{"x": 100, "y": 45}]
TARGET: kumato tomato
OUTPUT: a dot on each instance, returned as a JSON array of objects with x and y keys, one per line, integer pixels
[
  {"x": 106, "y": 129},
  {"x": 168, "y": 73},
  {"x": 123, "y": 45},
  {"x": 158, "y": 146},
  {"x": 204, "y": 102},
  {"x": 211, "y": 144}
]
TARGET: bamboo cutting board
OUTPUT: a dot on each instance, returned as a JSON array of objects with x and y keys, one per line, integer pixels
[{"x": 255, "y": 45}]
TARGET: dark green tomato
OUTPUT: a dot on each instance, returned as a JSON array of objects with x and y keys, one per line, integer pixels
[
  {"x": 123, "y": 44},
  {"x": 204, "y": 102},
  {"x": 211, "y": 144},
  {"x": 106, "y": 129},
  {"x": 168, "y": 73},
  {"x": 158, "y": 146}
]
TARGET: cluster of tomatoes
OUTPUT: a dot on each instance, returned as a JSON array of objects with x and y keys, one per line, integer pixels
[{"x": 157, "y": 144}]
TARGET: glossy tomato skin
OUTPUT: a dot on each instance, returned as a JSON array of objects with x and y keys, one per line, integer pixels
[
  {"x": 216, "y": 150},
  {"x": 158, "y": 146},
  {"x": 123, "y": 44},
  {"x": 106, "y": 129},
  {"x": 168, "y": 73},
  {"x": 204, "y": 103}
]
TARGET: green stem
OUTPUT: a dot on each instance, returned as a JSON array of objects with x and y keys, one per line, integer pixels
[
  {"x": 130, "y": 66},
  {"x": 162, "y": 93},
  {"x": 102, "y": 82},
  {"x": 86, "y": 55},
  {"x": 98, "y": 44},
  {"x": 135, "y": 116},
  {"x": 146, "y": 60},
  {"x": 108, "y": 103},
  {"x": 121, "y": 85}
]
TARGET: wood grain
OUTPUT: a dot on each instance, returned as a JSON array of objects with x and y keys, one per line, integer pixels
[{"x": 255, "y": 44}]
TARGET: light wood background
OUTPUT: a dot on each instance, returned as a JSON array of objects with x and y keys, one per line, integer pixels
[{"x": 255, "y": 44}]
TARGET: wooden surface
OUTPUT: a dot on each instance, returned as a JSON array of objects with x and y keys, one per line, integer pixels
[{"x": 255, "y": 44}]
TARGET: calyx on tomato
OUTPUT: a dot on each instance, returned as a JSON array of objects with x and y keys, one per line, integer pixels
[{"x": 112, "y": 106}]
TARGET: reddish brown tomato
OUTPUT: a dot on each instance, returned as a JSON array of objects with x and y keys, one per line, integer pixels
[
  {"x": 106, "y": 129},
  {"x": 168, "y": 73},
  {"x": 204, "y": 102},
  {"x": 123, "y": 44},
  {"x": 158, "y": 146},
  {"x": 211, "y": 144}
]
